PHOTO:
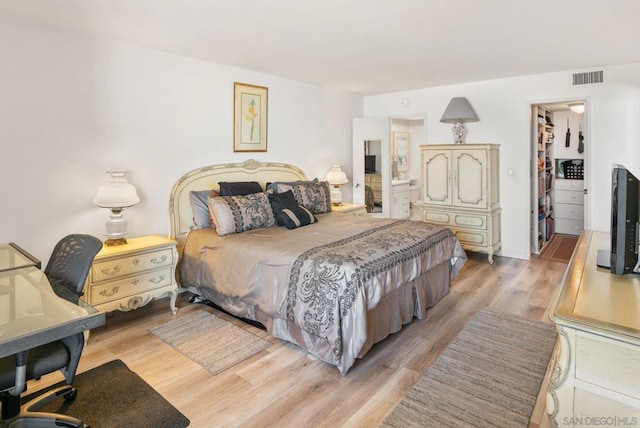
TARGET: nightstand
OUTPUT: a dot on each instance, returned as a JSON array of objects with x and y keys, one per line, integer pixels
[
  {"x": 126, "y": 277},
  {"x": 349, "y": 208}
]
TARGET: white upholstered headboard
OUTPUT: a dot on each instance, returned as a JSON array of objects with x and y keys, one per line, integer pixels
[{"x": 208, "y": 177}]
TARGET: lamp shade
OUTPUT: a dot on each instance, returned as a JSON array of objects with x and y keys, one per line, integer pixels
[
  {"x": 459, "y": 110},
  {"x": 117, "y": 192},
  {"x": 336, "y": 176}
]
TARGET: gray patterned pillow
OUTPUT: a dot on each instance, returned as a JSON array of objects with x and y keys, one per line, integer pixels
[
  {"x": 316, "y": 197},
  {"x": 235, "y": 214}
]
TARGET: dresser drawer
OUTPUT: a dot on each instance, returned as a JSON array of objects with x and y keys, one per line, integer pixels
[
  {"x": 569, "y": 197},
  {"x": 568, "y": 227},
  {"x": 610, "y": 364},
  {"x": 569, "y": 211},
  {"x": 473, "y": 221},
  {"x": 562, "y": 184},
  {"x": 133, "y": 285},
  {"x": 470, "y": 237},
  {"x": 116, "y": 268}
]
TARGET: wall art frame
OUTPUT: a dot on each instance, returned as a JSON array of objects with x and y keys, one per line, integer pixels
[
  {"x": 250, "y": 112},
  {"x": 401, "y": 148}
]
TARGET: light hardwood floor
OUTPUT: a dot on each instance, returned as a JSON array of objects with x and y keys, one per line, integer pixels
[{"x": 284, "y": 387}]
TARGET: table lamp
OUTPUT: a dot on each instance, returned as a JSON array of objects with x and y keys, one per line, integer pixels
[
  {"x": 117, "y": 194},
  {"x": 336, "y": 177},
  {"x": 458, "y": 112}
]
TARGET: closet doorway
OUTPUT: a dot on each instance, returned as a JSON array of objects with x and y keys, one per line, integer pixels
[{"x": 559, "y": 141}]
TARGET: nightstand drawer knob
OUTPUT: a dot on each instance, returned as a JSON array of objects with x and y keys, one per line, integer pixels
[
  {"x": 157, "y": 280},
  {"x": 159, "y": 261},
  {"x": 109, "y": 271},
  {"x": 135, "y": 261},
  {"x": 108, "y": 293}
]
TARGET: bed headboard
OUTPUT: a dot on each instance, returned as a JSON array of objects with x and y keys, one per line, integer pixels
[{"x": 208, "y": 177}]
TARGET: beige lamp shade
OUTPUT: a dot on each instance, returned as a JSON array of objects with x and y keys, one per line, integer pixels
[
  {"x": 117, "y": 192},
  {"x": 336, "y": 176},
  {"x": 116, "y": 195}
]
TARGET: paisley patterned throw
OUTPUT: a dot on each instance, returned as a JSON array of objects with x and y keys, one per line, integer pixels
[{"x": 326, "y": 280}]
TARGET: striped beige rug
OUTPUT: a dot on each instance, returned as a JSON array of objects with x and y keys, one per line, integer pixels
[
  {"x": 489, "y": 376},
  {"x": 210, "y": 341}
]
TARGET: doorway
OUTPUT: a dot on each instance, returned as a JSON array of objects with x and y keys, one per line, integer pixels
[{"x": 558, "y": 159}]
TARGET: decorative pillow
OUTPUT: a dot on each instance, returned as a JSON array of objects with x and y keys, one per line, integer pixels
[
  {"x": 235, "y": 214},
  {"x": 275, "y": 184},
  {"x": 295, "y": 217},
  {"x": 316, "y": 197},
  {"x": 279, "y": 201},
  {"x": 239, "y": 188},
  {"x": 199, "y": 200}
]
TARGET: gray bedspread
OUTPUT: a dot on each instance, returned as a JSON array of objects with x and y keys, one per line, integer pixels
[{"x": 322, "y": 278}]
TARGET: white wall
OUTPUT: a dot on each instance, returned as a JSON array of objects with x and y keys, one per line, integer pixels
[
  {"x": 503, "y": 106},
  {"x": 72, "y": 108}
]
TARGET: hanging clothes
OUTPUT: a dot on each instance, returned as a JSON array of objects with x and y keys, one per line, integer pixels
[
  {"x": 567, "y": 138},
  {"x": 580, "y": 139}
]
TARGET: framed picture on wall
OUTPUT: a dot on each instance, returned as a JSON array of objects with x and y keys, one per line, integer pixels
[
  {"x": 401, "y": 150},
  {"x": 249, "y": 118}
]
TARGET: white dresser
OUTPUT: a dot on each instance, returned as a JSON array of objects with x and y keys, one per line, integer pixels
[
  {"x": 460, "y": 188},
  {"x": 568, "y": 208},
  {"x": 596, "y": 375}
]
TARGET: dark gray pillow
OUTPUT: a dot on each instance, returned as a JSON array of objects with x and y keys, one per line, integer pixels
[
  {"x": 294, "y": 217},
  {"x": 279, "y": 201},
  {"x": 239, "y": 188}
]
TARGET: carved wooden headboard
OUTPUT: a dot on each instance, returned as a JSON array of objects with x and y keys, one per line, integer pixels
[{"x": 208, "y": 177}]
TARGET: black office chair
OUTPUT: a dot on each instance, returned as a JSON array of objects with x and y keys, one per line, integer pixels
[
  {"x": 67, "y": 272},
  {"x": 69, "y": 265}
]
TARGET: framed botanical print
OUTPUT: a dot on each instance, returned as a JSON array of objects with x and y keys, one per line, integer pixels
[
  {"x": 249, "y": 118},
  {"x": 401, "y": 150}
]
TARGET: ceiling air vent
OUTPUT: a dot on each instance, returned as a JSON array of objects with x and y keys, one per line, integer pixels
[{"x": 587, "y": 78}]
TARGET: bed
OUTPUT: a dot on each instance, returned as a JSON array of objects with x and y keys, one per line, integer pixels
[{"x": 333, "y": 287}]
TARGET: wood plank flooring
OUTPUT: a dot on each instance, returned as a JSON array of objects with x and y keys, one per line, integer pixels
[{"x": 284, "y": 387}]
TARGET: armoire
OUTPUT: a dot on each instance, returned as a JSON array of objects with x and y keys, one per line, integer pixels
[{"x": 460, "y": 189}]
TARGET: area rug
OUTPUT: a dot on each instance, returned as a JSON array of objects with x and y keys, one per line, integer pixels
[
  {"x": 560, "y": 248},
  {"x": 112, "y": 396},
  {"x": 489, "y": 376},
  {"x": 210, "y": 341}
]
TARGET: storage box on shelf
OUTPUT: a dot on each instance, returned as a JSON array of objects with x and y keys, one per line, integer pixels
[{"x": 126, "y": 277}]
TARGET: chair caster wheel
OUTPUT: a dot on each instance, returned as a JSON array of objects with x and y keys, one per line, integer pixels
[{"x": 71, "y": 395}]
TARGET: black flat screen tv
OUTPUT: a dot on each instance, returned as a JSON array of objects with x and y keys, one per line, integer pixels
[
  {"x": 370, "y": 163},
  {"x": 625, "y": 228}
]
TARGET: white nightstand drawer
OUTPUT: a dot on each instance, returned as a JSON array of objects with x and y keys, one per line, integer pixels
[
  {"x": 111, "y": 269},
  {"x": 130, "y": 286}
]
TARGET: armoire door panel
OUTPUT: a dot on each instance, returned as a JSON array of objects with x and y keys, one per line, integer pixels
[
  {"x": 471, "y": 179},
  {"x": 437, "y": 182}
]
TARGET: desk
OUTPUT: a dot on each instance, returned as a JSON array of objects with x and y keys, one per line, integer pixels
[
  {"x": 31, "y": 314},
  {"x": 597, "y": 315},
  {"x": 14, "y": 257}
]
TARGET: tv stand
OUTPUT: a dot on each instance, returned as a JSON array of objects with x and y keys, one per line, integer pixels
[{"x": 598, "y": 358}]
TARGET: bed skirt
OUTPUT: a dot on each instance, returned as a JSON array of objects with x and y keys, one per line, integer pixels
[{"x": 391, "y": 313}]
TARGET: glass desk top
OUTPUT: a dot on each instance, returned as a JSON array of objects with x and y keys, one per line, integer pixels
[
  {"x": 31, "y": 314},
  {"x": 14, "y": 257}
]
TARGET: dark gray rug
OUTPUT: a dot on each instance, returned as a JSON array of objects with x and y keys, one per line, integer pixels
[
  {"x": 489, "y": 376},
  {"x": 112, "y": 396}
]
